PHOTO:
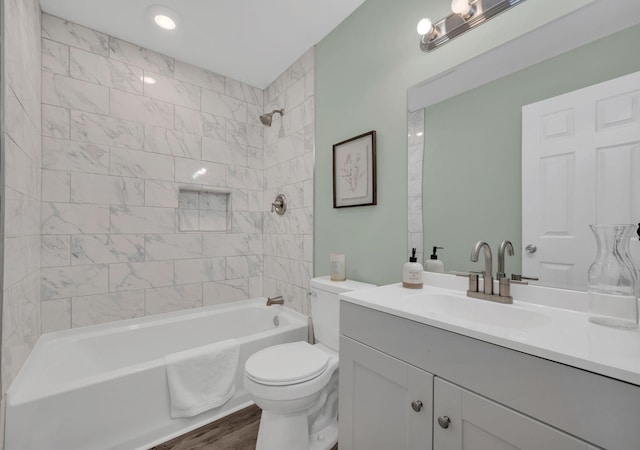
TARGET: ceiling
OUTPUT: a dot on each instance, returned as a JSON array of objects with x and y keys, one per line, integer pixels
[{"x": 252, "y": 41}]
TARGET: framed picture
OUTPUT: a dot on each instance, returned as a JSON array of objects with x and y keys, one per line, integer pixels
[{"x": 354, "y": 171}]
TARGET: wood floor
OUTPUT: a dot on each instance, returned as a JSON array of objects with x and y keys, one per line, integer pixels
[{"x": 237, "y": 431}]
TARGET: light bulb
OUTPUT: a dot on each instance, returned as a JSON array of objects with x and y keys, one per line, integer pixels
[
  {"x": 165, "y": 22},
  {"x": 424, "y": 27},
  {"x": 460, "y": 7}
]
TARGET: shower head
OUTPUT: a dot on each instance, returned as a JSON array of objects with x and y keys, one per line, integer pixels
[{"x": 267, "y": 118}]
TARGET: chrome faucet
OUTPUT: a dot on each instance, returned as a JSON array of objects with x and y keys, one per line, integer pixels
[
  {"x": 504, "y": 294},
  {"x": 508, "y": 246},
  {"x": 275, "y": 301},
  {"x": 488, "y": 264}
]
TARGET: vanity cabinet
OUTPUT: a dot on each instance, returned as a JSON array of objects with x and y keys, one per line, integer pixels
[
  {"x": 495, "y": 398},
  {"x": 385, "y": 403}
]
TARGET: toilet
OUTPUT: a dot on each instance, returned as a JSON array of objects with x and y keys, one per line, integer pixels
[{"x": 296, "y": 384}]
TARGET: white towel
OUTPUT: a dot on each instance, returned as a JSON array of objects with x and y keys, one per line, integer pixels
[{"x": 202, "y": 378}]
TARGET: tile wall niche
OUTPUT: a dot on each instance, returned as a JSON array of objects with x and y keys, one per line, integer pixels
[
  {"x": 117, "y": 151},
  {"x": 21, "y": 144},
  {"x": 289, "y": 168}
]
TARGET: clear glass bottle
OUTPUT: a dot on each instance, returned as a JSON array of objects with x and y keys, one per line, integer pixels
[{"x": 613, "y": 279}]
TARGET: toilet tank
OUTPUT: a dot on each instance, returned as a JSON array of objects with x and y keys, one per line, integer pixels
[{"x": 325, "y": 307}]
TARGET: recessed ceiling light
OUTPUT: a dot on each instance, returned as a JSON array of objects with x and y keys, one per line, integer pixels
[
  {"x": 163, "y": 17},
  {"x": 165, "y": 22}
]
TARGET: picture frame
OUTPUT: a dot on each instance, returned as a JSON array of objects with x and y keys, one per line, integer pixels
[{"x": 354, "y": 171}]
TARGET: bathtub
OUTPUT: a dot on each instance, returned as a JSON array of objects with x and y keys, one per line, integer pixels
[{"x": 104, "y": 387}]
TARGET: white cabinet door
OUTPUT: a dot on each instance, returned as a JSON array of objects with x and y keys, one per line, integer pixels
[
  {"x": 463, "y": 420},
  {"x": 580, "y": 165},
  {"x": 376, "y": 395}
]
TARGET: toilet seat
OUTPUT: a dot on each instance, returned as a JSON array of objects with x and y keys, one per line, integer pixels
[{"x": 286, "y": 364}]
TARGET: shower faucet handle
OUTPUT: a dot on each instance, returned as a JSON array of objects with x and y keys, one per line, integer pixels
[{"x": 279, "y": 206}]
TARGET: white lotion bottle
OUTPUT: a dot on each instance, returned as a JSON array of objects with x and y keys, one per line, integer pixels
[
  {"x": 434, "y": 264},
  {"x": 412, "y": 273}
]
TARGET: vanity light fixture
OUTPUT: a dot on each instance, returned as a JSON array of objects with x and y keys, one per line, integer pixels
[
  {"x": 465, "y": 15},
  {"x": 163, "y": 17},
  {"x": 426, "y": 28},
  {"x": 462, "y": 8}
]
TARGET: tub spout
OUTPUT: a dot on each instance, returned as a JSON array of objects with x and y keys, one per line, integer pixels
[{"x": 275, "y": 301}]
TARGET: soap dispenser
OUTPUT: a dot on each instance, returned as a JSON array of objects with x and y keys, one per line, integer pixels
[
  {"x": 412, "y": 272},
  {"x": 434, "y": 264}
]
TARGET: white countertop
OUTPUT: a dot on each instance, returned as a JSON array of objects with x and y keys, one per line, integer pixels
[{"x": 561, "y": 335}]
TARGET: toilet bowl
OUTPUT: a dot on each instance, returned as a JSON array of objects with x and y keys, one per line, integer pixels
[
  {"x": 299, "y": 407},
  {"x": 296, "y": 384}
]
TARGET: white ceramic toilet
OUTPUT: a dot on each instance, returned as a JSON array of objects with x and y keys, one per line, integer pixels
[{"x": 296, "y": 384}]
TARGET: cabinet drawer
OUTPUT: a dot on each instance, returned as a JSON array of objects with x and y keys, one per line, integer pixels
[{"x": 594, "y": 408}]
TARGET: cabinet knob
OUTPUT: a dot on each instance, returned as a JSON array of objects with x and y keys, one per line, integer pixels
[
  {"x": 416, "y": 405},
  {"x": 531, "y": 248},
  {"x": 444, "y": 421}
]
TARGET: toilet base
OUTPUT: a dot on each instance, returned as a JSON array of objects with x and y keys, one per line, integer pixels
[
  {"x": 325, "y": 439},
  {"x": 291, "y": 432},
  {"x": 283, "y": 431}
]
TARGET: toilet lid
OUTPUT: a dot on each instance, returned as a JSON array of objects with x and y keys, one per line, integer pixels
[{"x": 284, "y": 364}]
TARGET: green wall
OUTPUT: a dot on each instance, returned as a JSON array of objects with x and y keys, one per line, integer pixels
[
  {"x": 363, "y": 70},
  {"x": 472, "y": 183}
]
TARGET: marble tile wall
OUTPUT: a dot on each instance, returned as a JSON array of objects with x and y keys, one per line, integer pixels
[
  {"x": 115, "y": 151},
  {"x": 21, "y": 144},
  {"x": 415, "y": 152},
  {"x": 289, "y": 167}
]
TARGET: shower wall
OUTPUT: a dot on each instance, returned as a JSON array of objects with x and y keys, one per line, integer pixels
[
  {"x": 288, "y": 164},
  {"x": 125, "y": 232},
  {"x": 124, "y": 198},
  {"x": 21, "y": 148}
]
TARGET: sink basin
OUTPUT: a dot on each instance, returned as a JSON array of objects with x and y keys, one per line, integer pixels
[{"x": 462, "y": 308}]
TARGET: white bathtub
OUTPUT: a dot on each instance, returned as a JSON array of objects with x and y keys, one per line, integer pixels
[{"x": 104, "y": 387}]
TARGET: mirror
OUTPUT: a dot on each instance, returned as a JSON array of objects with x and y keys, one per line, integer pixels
[{"x": 468, "y": 123}]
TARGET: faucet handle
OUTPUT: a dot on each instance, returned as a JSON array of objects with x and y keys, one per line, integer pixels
[
  {"x": 473, "y": 276},
  {"x": 279, "y": 206},
  {"x": 473, "y": 281},
  {"x": 466, "y": 274},
  {"x": 504, "y": 287},
  {"x": 519, "y": 277}
]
